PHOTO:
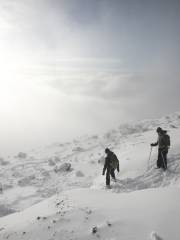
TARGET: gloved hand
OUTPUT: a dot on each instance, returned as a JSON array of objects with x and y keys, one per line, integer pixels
[{"x": 103, "y": 173}]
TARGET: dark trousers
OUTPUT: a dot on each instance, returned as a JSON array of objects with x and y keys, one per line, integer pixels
[
  {"x": 109, "y": 172},
  {"x": 162, "y": 159}
]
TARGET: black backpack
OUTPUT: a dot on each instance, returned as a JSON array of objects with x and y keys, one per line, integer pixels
[
  {"x": 113, "y": 161},
  {"x": 167, "y": 140}
]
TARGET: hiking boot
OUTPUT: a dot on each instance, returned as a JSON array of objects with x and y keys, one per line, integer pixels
[
  {"x": 114, "y": 179},
  {"x": 108, "y": 187}
]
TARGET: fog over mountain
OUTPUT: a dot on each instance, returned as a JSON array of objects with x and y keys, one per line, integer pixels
[{"x": 70, "y": 68}]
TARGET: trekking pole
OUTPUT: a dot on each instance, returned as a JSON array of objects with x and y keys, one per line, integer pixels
[
  {"x": 102, "y": 145},
  {"x": 149, "y": 157}
]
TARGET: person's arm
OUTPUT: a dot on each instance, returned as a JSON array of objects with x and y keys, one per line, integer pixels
[
  {"x": 154, "y": 144},
  {"x": 105, "y": 166},
  {"x": 118, "y": 166}
]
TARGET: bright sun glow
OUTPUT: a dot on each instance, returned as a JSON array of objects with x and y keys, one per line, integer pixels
[{"x": 9, "y": 82}]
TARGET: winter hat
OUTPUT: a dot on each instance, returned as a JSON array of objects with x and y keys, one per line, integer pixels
[
  {"x": 159, "y": 130},
  {"x": 107, "y": 150}
]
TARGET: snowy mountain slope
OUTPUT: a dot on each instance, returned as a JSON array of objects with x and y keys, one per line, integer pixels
[
  {"x": 30, "y": 178},
  {"x": 78, "y": 213}
]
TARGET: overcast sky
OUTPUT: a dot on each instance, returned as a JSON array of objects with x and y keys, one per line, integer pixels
[{"x": 70, "y": 67}]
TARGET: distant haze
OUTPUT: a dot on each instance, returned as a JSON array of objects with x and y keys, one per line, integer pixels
[{"x": 75, "y": 67}]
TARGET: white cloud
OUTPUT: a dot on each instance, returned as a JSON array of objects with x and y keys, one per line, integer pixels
[{"x": 86, "y": 65}]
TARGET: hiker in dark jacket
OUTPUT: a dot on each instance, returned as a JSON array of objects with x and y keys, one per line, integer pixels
[
  {"x": 163, "y": 144},
  {"x": 110, "y": 165}
]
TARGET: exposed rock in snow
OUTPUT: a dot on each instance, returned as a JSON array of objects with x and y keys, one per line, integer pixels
[
  {"x": 21, "y": 155},
  {"x": 51, "y": 162},
  {"x": 16, "y": 174},
  {"x": 109, "y": 224},
  {"x": 92, "y": 162},
  {"x": 3, "y": 162},
  {"x": 26, "y": 181},
  {"x": 155, "y": 236},
  {"x": 79, "y": 174},
  {"x": 5, "y": 187},
  {"x": 95, "y": 137},
  {"x": 172, "y": 126},
  {"x": 78, "y": 149},
  {"x": 45, "y": 173},
  {"x": 57, "y": 159},
  {"x": 94, "y": 230},
  {"x": 65, "y": 167}
]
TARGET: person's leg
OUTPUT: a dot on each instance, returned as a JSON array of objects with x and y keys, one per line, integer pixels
[
  {"x": 112, "y": 173},
  {"x": 164, "y": 158},
  {"x": 159, "y": 159},
  {"x": 108, "y": 177}
]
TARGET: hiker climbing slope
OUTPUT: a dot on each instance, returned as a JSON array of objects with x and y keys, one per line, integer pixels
[
  {"x": 110, "y": 165},
  {"x": 163, "y": 143}
]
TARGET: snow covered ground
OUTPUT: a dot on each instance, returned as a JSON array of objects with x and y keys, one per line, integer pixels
[{"x": 57, "y": 191}]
